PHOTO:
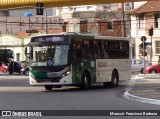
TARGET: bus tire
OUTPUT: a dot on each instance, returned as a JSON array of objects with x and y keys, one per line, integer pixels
[
  {"x": 26, "y": 73},
  {"x": 48, "y": 87},
  {"x": 86, "y": 83},
  {"x": 115, "y": 79}
]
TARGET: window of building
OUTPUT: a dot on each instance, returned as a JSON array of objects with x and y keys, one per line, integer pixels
[
  {"x": 109, "y": 25},
  {"x": 107, "y": 7},
  {"x": 83, "y": 26},
  {"x": 141, "y": 22},
  {"x": 89, "y": 7},
  {"x": 156, "y": 21},
  {"x": 114, "y": 7},
  {"x": 17, "y": 56},
  {"x": 127, "y": 6},
  {"x": 157, "y": 48}
]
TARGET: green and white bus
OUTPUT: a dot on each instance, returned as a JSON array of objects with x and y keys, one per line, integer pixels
[{"x": 78, "y": 59}]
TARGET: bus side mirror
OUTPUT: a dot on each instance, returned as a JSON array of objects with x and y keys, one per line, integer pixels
[
  {"x": 29, "y": 52},
  {"x": 26, "y": 52}
]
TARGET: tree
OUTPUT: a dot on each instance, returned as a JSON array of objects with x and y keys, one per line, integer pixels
[{"x": 6, "y": 55}]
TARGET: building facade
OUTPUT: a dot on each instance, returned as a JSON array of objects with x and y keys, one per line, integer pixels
[
  {"x": 106, "y": 20},
  {"x": 144, "y": 18}
]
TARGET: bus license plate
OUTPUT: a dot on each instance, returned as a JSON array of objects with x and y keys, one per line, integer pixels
[{"x": 48, "y": 81}]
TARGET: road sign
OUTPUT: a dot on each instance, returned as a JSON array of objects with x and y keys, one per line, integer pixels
[
  {"x": 32, "y": 31},
  {"x": 28, "y": 14},
  {"x": 148, "y": 43}
]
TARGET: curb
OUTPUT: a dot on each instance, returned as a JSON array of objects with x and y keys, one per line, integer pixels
[
  {"x": 147, "y": 76},
  {"x": 140, "y": 99}
]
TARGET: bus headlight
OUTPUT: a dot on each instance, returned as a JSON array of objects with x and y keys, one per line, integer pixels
[{"x": 66, "y": 74}]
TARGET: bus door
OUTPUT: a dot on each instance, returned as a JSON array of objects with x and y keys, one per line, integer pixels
[
  {"x": 89, "y": 58},
  {"x": 76, "y": 61}
]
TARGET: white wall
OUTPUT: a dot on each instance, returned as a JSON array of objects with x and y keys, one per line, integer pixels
[{"x": 13, "y": 43}]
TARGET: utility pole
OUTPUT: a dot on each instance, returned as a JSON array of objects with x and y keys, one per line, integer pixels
[
  {"x": 123, "y": 20},
  {"x": 40, "y": 9},
  {"x": 46, "y": 23},
  {"x": 150, "y": 33},
  {"x": 6, "y": 25}
]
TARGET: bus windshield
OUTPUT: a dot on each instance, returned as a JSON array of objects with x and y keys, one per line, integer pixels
[{"x": 50, "y": 55}]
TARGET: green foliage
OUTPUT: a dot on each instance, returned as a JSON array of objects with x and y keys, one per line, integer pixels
[{"x": 6, "y": 55}]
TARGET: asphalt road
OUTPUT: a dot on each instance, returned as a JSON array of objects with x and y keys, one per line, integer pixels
[{"x": 17, "y": 94}]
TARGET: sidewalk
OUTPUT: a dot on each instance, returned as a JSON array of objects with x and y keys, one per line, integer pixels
[{"x": 144, "y": 88}]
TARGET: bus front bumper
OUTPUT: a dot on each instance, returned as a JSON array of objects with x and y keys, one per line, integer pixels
[{"x": 62, "y": 81}]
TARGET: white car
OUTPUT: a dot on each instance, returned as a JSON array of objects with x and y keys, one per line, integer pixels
[{"x": 137, "y": 65}]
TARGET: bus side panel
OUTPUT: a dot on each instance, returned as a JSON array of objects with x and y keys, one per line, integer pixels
[
  {"x": 76, "y": 73},
  {"x": 103, "y": 70},
  {"x": 123, "y": 68},
  {"x": 90, "y": 66}
]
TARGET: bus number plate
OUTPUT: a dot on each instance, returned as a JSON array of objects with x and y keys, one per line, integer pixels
[{"x": 47, "y": 81}]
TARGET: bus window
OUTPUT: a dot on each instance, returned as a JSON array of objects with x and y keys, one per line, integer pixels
[
  {"x": 124, "y": 49},
  {"x": 114, "y": 49},
  {"x": 104, "y": 51},
  {"x": 96, "y": 49},
  {"x": 87, "y": 49},
  {"x": 78, "y": 51},
  {"x": 29, "y": 52}
]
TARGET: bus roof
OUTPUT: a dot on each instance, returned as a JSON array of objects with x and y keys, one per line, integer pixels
[
  {"x": 87, "y": 36},
  {"x": 111, "y": 38},
  {"x": 71, "y": 34}
]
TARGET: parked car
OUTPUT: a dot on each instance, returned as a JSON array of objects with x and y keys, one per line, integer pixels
[
  {"x": 152, "y": 69},
  {"x": 137, "y": 65},
  {"x": 14, "y": 67},
  {"x": 3, "y": 68},
  {"x": 25, "y": 70}
]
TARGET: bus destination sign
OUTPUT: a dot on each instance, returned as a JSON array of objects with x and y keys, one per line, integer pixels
[{"x": 52, "y": 38}]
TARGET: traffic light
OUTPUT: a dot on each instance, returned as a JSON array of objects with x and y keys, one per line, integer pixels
[
  {"x": 143, "y": 45},
  {"x": 150, "y": 32},
  {"x": 40, "y": 8}
]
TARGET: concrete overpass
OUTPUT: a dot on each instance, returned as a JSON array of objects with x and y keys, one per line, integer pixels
[{"x": 10, "y": 4}]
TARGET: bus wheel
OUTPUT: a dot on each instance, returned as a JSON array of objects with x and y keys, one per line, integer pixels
[
  {"x": 114, "y": 82},
  {"x": 26, "y": 73},
  {"x": 85, "y": 81},
  {"x": 48, "y": 87}
]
